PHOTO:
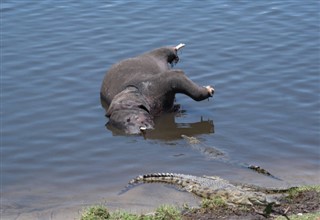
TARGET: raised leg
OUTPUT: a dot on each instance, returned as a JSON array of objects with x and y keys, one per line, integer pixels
[
  {"x": 180, "y": 83},
  {"x": 159, "y": 90}
]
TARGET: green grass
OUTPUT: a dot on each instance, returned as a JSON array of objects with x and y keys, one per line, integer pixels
[
  {"x": 95, "y": 213},
  {"x": 169, "y": 212},
  {"x": 122, "y": 215},
  {"x": 296, "y": 190},
  {"x": 306, "y": 216},
  {"x": 164, "y": 212},
  {"x": 293, "y": 192},
  {"x": 213, "y": 203}
]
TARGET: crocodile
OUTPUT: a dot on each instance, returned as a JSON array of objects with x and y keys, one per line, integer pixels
[
  {"x": 211, "y": 152},
  {"x": 210, "y": 187},
  {"x": 216, "y": 154}
]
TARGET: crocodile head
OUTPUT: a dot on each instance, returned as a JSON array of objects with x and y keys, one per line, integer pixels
[{"x": 259, "y": 198}]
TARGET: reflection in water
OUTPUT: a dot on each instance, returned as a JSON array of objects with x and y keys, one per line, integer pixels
[
  {"x": 167, "y": 129},
  {"x": 254, "y": 52}
]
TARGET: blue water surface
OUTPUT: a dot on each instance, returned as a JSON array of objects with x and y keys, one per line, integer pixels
[{"x": 57, "y": 156}]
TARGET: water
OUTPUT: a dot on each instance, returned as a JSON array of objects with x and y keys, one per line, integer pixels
[{"x": 57, "y": 156}]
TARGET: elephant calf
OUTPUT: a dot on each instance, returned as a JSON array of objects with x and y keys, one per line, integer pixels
[{"x": 138, "y": 89}]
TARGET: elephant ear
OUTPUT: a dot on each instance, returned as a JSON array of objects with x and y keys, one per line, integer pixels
[
  {"x": 175, "y": 60},
  {"x": 130, "y": 98}
]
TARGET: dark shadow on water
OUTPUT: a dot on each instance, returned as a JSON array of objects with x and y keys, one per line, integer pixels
[{"x": 167, "y": 129}]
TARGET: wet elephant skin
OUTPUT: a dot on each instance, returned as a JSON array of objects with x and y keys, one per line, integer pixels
[{"x": 136, "y": 90}]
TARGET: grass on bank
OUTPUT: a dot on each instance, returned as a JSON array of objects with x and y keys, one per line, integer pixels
[
  {"x": 169, "y": 212},
  {"x": 294, "y": 191},
  {"x": 95, "y": 213},
  {"x": 305, "y": 216},
  {"x": 162, "y": 213},
  {"x": 217, "y": 202}
]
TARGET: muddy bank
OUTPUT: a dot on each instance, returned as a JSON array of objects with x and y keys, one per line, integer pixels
[{"x": 298, "y": 203}]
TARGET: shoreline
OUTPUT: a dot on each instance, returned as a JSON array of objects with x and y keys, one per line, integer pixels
[
  {"x": 205, "y": 209},
  {"x": 299, "y": 203}
]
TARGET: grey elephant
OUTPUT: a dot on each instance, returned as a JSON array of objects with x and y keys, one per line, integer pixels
[{"x": 136, "y": 90}]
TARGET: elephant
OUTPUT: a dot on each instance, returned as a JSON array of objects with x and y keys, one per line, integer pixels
[{"x": 136, "y": 90}]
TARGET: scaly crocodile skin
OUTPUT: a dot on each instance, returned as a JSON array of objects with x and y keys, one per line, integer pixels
[{"x": 206, "y": 187}]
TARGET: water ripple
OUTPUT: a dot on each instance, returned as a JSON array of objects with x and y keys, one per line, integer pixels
[{"x": 262, "y": 58}]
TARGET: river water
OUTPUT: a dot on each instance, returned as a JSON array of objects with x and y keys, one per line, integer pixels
[{"x": 57, "y": 156}]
